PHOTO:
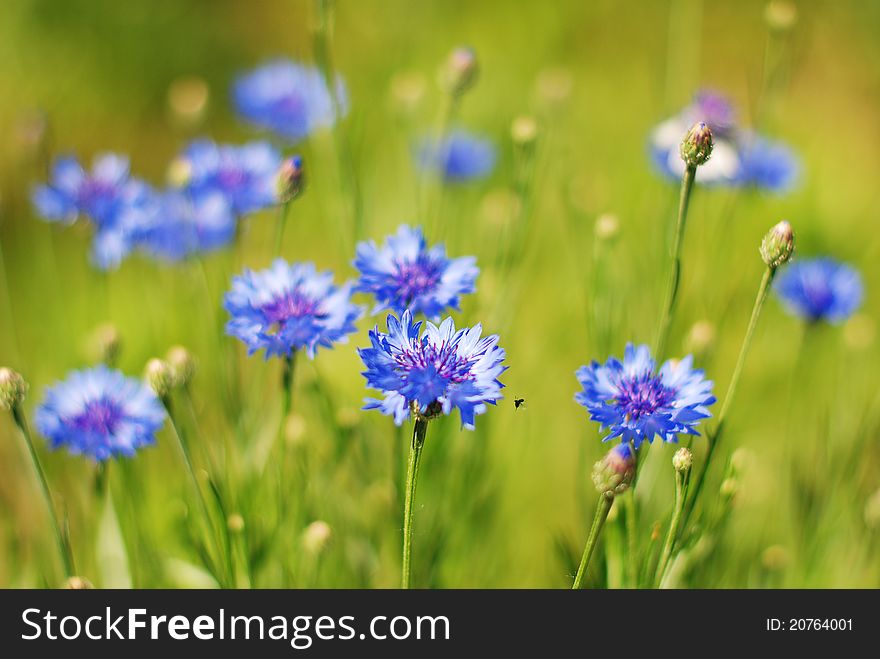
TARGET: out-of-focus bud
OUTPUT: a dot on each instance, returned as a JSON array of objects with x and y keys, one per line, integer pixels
[
  {"x": 13, "y": 388},
  {"x": 780, "y": 15},
  {"x": 740, "y": 460},
  {"x": 407, "y": 90},
  {"x": 78, "y": 583},
  {"x": 290, "y": 179},
  {"x": 778, "y": 245},
  {"x": 294, "y": 429},
  {"x": 160, "y": 376},
  {"x": 859, "y": 331},
  {"x": 183, "y": 365},
  {"x": 187, "y": 100},
  {"x": 614, "y": 473},
  {"x": 524, "y": 131},
  {"x": 179, "y": 172},
  {"x": 872, "y": 511},
  {"x": 316, "y": 537},
  {"x": 696, "y": 147},
  {"x": 775, "y": 557},
  {"x": 683, "y": 460},
  {"x": 700, "y": 338},
  {"x": 32, "y": 133},
  {"x": 106, "y": 342},
  {"x": 606, "y": 227},
  {"x": 729, "y": 488},
  {"x": 461, "y": 70},
  {"x": 348, "y": 417},
  {"x": 235, "y": 523},
  {"x": 553, "y": 86}
]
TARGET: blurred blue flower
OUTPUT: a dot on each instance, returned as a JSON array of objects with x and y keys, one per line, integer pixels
[
  {"x": 186, "y": 224},
  {"x": 290, "y": 99},
  {"x": 820, "y": 289},
  {"x": 100, "y": 413},
  {"x": 635, "y": 402},
  {"x": 767, "y": 164},
  {"x": 290, "y": 306},
  {"x": 739, "y": 157},
  {"x": 437, "y": 371},
  {"x": 245, "y": 174},
  {"x": 117, "y": 205},
  {"x": 404, "y": 274},
  {"x": 458, "y": 157}
]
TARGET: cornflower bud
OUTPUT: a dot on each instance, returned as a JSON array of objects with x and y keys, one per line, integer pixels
[
  {"x": 614, "y": 473},
  {"x": 183, "y": 366},
  {"x": 13, "y": 388},
  {"x": 683, "y": 460},
  {"x": 160, "y": 376},
  {"x": 290, "y": 179},
  {"x": 696, "y": 147},
  {"x": 778, "y": 245},
  {"x": 461, "y": 70}
]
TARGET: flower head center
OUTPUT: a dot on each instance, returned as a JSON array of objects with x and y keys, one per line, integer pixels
[
  {"x": 642, "y": 395},
  {"x": 413, "y": 278},
  {"x": 101, "y": 416},
  {"x": 292, "y": 304}
]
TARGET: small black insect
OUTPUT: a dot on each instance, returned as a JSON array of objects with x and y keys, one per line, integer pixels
[{"x": 519, "y": 402}]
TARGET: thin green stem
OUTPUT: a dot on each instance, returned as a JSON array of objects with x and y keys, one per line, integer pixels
[
  {"x": 61, "y": 540},
  {"x": 602, "y": 509},
  {"x": 714, "y": 438},
  {"x": 687, "y": 184},
  {"x": 681, "y": 485},
  {"x": 632, "y": 537},
  {"x": 283, "y": 211},
  {"x": 287, "y": 389},
  {"x": 223, "y": 545},
  {"x": 420, "y": 428}
]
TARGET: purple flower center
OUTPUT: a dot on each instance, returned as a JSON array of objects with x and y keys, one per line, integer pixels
[
  {"x": 291, "y": 304},
  {"x": 716, "y": 111},
  {"x": 443, "y": 361},
  {"x": 819, "y": 297},
  {"x": 100, "y": 416},
  {"x": 231, "y": 178},
  {"x": 642, "y": 395},
  {"x": 413, "y": 279}
]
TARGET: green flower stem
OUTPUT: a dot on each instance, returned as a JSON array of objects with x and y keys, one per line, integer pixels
[
  {"x": 283, "y": 211},
  {"x": 687, "y": 184},
  {"x": 681, "y": 486},
  {"x": 61, "y": 538},
  {"x": 222, "y": 546},
  {"x": 420, "y": 428},
  {"x": 714, "y": 438},
  {"x": 602, "y": 509},
  {"x": 287, "y": 391},
  {"x": 632, "y": 537}
]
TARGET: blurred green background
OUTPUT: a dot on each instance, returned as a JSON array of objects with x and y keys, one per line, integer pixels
[{"x": 509, "y": 504}]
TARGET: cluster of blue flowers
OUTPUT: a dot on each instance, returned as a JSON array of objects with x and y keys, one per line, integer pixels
[
  {"x": 212, "y": 186},
  {"x": 420, "y": 368},
  {"x": 740, "y": 156}
]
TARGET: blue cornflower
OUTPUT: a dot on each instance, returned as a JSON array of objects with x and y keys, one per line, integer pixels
[
  {"x": 100, "y": 413},
  {"x": 767, "y": 164},
  {"x": 186, "y": 224},
  {"x": 458, "y": 157},
  {"x": 820, "y": 289},
  {"x": 290, "y": 306},
  {"x": 404, "y": 274},
  {"x": 636, "y": 403},
  {"x": 435, "y": 372},
  {"x": 117, "y": 205},
  {"x": 739, "y": 157},
  {"x": 288, "y": 98},
  {"x": 246, "y": 175}
]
